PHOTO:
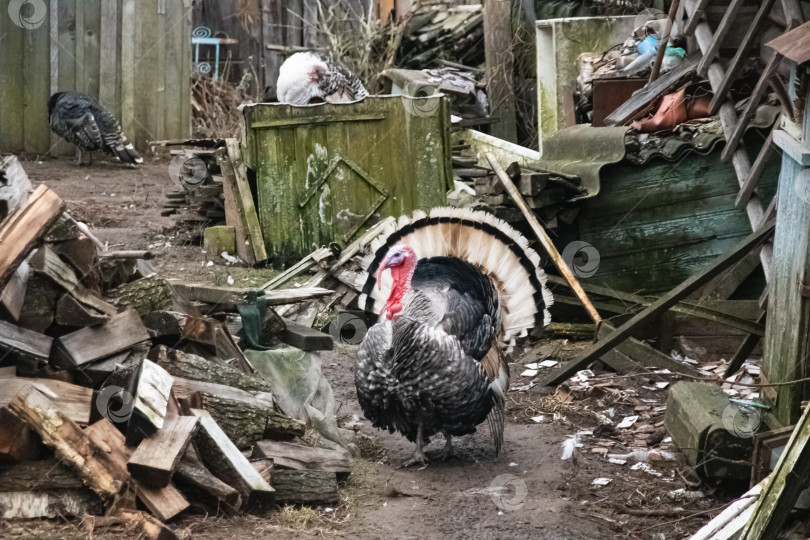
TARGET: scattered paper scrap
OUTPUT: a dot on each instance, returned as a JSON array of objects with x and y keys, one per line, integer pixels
[
  {"x": 533, "y": 365},
  {"x": 627, "y": 422},
  {"x": 548, "y": 363},
  {"x": 601, "y": 481},
  {"x": 539, "y": 419},
  {"x": 529, "y": 373}
]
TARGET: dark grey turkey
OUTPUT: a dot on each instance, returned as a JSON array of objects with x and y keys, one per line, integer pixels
[
  {"x": 462, "y": 286},
  {"x": 83, "y": 121}
]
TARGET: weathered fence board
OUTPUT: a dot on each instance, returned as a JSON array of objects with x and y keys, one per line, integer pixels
[{"x": 135, "y": 57}]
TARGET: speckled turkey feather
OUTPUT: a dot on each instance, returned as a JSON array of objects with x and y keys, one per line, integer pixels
[{"x": 438, "y": 362}]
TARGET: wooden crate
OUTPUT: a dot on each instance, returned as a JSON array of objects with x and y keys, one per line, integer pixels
[{"x": 324, "y": 173}]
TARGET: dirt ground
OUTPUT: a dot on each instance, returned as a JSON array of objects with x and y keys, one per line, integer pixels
[{"x": 527, "y": 491}]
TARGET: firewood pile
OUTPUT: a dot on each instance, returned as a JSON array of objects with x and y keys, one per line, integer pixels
[
  {"x": 440, "y": 29},
  {"x": 125, "y": 396}
]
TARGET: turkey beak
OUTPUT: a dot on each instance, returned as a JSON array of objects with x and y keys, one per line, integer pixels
[{"x": 378, "y": 275}]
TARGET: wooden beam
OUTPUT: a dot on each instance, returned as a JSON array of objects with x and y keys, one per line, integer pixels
[
  {"x": 751, "y": 108},
  {"x": 662, "y": 304},
  {"x": 543, "y": 237},
  {"x": 305, "y": 338},
  {"x": 664, "y": 40},
  {"x": 20, "y": 232},
  {"x": 787, "y": 480},
  {"x": 720, "y": 34},
  {"x": 644, "y": 355},
  {"x": 739, "y": 59}
]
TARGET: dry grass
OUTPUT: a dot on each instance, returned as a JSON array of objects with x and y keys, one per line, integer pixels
[{"x": 214, "y": 105}]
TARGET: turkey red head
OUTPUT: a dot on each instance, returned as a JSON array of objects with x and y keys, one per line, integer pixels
[{"x": 401, "y": 260}]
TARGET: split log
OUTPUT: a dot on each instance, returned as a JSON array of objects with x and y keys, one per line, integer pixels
[
  {"x": 226, "y": 461},
  {"x": 91, "y": 461},
  {"x": 121, "y": 332},
  {"x": 156, "y": 458},
  {"x": 39, "y": 307},
  {"x": 24, "y": 345},
  {"x": 263, "y": 466},
  {"x": 128, "y": 254},
  {"x": 164, "y": 502},
  {"x": 104, "y": 435},
  {"x": 305, "y": 487},
  {"x": 143, "y": 295},
  {"x": 63, "y": 229},
  {"x": 18, "y": 442},
  {"x": 73, "y": 401},
  {"x": 20, "y": 232},
  {"x": 164, "y": 324},
  {"x": 301, "y": 457},
  {"x": 213, "y": 333},
  {"x": 246, "y": 417},
  {"x": 82, "y": 254},
  {"x": 151, "y": 402},
  {"x": 15, "y": 186},
  {"x": 97, "y": 374},
  {"x": 47, "y": 263},
  {"x": 197, "y": 368},
  {"x": 44, "y": 475},
  {"x": 196, "y": 480},
  {"x": 12, "y": 296},
  {"x": 71, "y": 312}
]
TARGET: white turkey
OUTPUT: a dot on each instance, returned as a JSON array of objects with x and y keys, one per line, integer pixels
[
  {"x": 463, "y": 285},
  {"x": 307, "y": 77},
  {"x": 83, "y": 121}
]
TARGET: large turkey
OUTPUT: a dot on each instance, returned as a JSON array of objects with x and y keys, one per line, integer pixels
[
  {"x": 83, "y": 121},
  {"x": 463, "y": 285},
  {"x": 307, "y": 77}
]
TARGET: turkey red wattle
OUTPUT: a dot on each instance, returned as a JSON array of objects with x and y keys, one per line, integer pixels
[{"x": 401, "y": 273}]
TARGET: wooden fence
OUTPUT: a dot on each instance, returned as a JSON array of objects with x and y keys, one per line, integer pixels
[{"x": 133, "y": 55}]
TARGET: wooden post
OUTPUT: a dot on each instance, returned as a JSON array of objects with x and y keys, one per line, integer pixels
[
  {"x": 500, "y": 68},
  {"x": 543, "y": 237},
  {"x": 663, "y": 41}
]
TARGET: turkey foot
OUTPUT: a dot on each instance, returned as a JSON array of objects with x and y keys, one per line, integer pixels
[
  {"x": 418, "y": 453},
  {"x": 80, "y": 157},
  {"x": 448, "y": 447}
]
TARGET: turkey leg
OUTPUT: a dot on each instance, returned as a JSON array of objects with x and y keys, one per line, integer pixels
[
  {"x": 80, "y": 157},
  {"x": 448, "y": 446},
  {"x": 418, "y": 453}
]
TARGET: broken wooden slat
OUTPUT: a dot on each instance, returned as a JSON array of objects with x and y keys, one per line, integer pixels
[
  {"x": 74, "y": 402},
  {"x": 210, "y": 294},
  {"x": 745, "y": 349},
  {"x": 20, "y": 232},
  {"x": 164, "y": 502},
  {"x": 301, "y": 457},
  {"x": 121, "y": 332},
  {"x": 739, "y": 57},
  {"x": 751, "y": 108},
  {"x": 156, "y": 458},
  {"x": 664, "y": 40},
  {"x": 151, "y": 402},
  {"x": 643, "y": 354},
  {"x": 239, "y": 200},
  {"x": 226, "y": 461},
  {"x": 732, "y": 519},
  {"x": 305, "y": 487},
  {"x": 787, "y": 480},
  {"x": 12, "y": 296},
  {"x": 543, "y": 237},
  {"x": 91, "y": 461},
  {"x": 305, "y": 338},
  {"x": 662, "y": 304}
]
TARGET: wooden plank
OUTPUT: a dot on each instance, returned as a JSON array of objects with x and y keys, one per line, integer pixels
[
  {"x": 785, "y": 483},
  {"x": 792, "y": 147},
  {"x": 74, "y": 401},
  {"x": 121, "y": 332},
  {"x": 239, "y": 200},
  {"x": 541, "y": 234},
  {"x": 751, "y": 181},
  {"x": 156, "y": 458},
  {"x": 751, "y": 108},
  {"x": 740, "y": 57},
  {"x": 20, "y": 232},
  {"x": 12, "y": 90},
  {"x": 662, "y": 304},
  {"x": 301, "y": 457},
  {"x": 726, "y": 23},
  {"x": 91, "y": 461},
  {"x": 128, "y": 65},
  {"x": 35, "y": 59},
  {"x": 108, "y": 43},
  {"x": 164, "y": 502},
  {"x": 305, "y": 338},
  {"x": 499, "y": 68},
  {"x": 226, "y": 461}
]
